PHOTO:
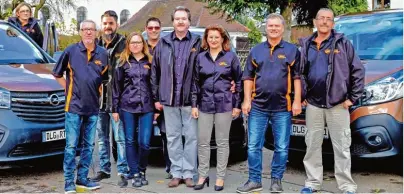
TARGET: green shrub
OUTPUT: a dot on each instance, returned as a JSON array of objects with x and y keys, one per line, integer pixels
[{"x": 65, "y": 41}]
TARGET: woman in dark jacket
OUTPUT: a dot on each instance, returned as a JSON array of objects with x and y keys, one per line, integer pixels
[
  {"x": 27, "y": 23},
  {"x": 213, "y": 102},
  {"x": 132, "y": 99}
]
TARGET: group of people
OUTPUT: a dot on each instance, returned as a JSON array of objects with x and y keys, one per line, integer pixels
[{"x": 190, "y": 84}]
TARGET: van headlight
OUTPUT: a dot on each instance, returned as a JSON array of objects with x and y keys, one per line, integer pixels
[
  {"x": 5, "y": 101},
  {"x": 386, "y": 89}
]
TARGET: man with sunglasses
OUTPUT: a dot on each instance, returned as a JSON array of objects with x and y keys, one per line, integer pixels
[
  {"x": 115, "y": 44},
  {"x": 153, "y": 29}
]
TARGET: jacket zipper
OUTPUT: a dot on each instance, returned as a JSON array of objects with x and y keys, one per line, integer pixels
[
  {"x": 172, "y": 77},
  {"x": 183, "y": 77}
]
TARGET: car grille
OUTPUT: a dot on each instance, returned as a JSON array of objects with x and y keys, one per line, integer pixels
[
  {"x": 39, "y": 107},
  {"x": 33, "y": 149}
]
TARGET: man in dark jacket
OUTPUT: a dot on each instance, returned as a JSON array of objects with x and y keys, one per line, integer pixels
[
  {"x": 172, "y": 69},
  {"x": 333, "y": 78},
  {"x": 115, "y": 44}
]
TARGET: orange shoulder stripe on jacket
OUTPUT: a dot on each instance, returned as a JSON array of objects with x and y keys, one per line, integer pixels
[
  {"x": 293, "y": 62},
  {"x": 254, "y": 63},
  {"x": 70, "y": 89},
  {"x": 105, "y": 69}
]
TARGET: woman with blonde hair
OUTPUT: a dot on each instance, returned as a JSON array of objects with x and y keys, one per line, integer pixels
[
  {"x": 27, "y": 23},
  {"x": 132, "y": 101},
  {"x": 213, "y": 102}
]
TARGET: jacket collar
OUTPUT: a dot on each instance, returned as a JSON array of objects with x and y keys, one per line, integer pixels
[
  {"x": 168, "y": 38},
  {"x": 281, "y": 44},
  {"x": 31, "y": 21},
  {"x": 113, "y": 42},
  {"x": 83, "y": 48},
  {"x": 187, "y": 37}
]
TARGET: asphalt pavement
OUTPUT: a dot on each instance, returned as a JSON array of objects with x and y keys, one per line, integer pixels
[{"x": 47, "y": 176}]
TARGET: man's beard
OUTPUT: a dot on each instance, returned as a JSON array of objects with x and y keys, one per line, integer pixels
[{"x": 109, "y": 36}]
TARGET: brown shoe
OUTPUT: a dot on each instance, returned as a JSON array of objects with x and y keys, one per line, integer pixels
[
  {"x": 174, "y": 182},
  {"x": 189, "y": 182}
]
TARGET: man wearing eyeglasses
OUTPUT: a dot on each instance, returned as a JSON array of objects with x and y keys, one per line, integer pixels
[
  {"x": 333, "y": 78},
  {"x": 172, "y": 67},
  {"x": 115, "y": 44},
  {"x": 85, "y": 65}
]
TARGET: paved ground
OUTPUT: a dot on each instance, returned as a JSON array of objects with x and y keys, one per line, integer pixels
[{"x": 47, "y": 176}]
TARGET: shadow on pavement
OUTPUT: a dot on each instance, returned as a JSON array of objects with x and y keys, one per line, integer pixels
[
  {"x": 363, "y": 166},
  {"x": 37, "y": 167}
]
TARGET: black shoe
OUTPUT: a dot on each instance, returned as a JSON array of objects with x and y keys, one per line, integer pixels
[
  {"x": 100, "y": 175},
  {"x": 143, "y": 179},
  {"x": 122, "y": 182},
  {"x": 201, "y": 186},
  {"x": 219, "y": 188},
  {"x": 136, "y": 181},
  {"x": 276, "y": 186},
  {"x": 169, "y": 176}
]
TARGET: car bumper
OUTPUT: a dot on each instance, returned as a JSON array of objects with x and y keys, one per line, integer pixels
[
  {"x": 22, "y": 140},
  {"x": 373, "y": 136}
]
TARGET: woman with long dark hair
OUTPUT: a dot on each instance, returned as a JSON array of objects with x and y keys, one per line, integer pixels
[{"x": 132, "y": 99}]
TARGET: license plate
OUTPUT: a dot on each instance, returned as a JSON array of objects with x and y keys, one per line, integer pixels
[
  {"x": 53, "y": 135},
  {"x": 301, "y": 130}
]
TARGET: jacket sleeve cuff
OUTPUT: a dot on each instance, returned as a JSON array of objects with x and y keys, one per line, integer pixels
[
  {"x": 296, "y": 77},
  {"x": 352, "y": 99},
  {"x": 115, "y": 109},
  {"x": 194, "y": 104}
]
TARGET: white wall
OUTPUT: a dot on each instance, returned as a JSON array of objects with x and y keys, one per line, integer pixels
[
  {"x": 396, "y": 4},
  {"x": 95, "y": 8}
]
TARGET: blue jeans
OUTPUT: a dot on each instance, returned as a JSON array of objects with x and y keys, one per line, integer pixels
[
  {"x": 104, "y": 146},
  {"x": 257, "y": 125},
  {"x": 138, "y": 130},
  {"x": 73, "y": 124}
]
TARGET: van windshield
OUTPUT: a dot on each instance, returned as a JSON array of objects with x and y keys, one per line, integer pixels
[
  {"x": 376, "y": 36},
  {"x": 15, "y": 48}
]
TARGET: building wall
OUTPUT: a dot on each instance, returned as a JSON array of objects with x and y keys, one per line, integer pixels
[
  {"x": 95, "y": 8},
  {"x": 397, "y": 3}
]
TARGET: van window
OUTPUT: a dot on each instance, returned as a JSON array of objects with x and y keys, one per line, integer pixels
[
  {"x": 16, "y": 48},
  {"x": 376, "y": 36}
]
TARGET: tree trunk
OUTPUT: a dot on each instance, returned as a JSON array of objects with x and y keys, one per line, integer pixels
[
  {"x": 287, "y": 14},
  {"x": 38, "y": 7}
]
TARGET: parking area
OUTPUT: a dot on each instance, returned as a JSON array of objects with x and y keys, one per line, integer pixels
[{"x": 47, "y": 176}]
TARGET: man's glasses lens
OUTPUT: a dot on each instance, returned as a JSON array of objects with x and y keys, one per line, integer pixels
[{"x": 155, "y": 28}]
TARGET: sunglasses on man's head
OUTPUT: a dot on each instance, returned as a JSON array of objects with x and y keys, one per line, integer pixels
[{"x": 150, "y": 28}]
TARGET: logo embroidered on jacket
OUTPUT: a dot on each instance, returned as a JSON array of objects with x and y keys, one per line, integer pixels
[
  {"x": 327, "y": 51},
  {"x": 280, "y": 56},
  {"x": 146, "y": 66},
  {"x": 336, "y": 51},
  {"x": 97, "y": 62},
  {"x": 193, "y": 49},
  {"x": 222, "y": 63}
]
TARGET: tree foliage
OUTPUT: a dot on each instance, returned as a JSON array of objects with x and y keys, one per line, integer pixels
[
  {"x": 254, "y": 36},
  {"x": 56, "y": 7},
  {"x": 305, "y": 10}
]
